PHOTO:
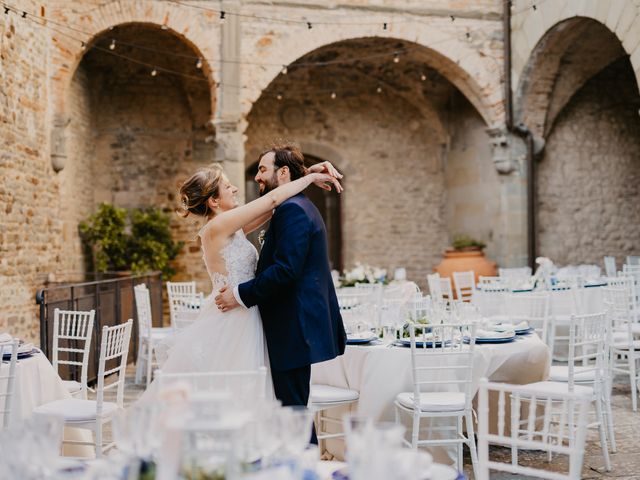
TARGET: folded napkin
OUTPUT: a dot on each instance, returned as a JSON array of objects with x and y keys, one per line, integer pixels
[
  {"x": 359, "y": 335},
  {"x": 509, "y": 326},
  {"x": 25, "y": 348},
  {"x": 494, "y": 334},
  {"x": 5, "y": 338}
]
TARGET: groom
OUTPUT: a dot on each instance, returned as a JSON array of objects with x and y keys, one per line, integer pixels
[{"x": 292, "y": 287}]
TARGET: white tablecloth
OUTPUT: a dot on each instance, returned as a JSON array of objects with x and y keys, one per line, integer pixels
[
  {"x": 38, "y": 383},
  {"x": 379, "y": 373}
]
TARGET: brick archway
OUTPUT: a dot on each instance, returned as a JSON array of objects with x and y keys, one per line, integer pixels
[
  {"x": 200, "y": 32},
  {"x": 545, "y": 39}
]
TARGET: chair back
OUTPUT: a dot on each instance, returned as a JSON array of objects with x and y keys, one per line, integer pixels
[
  {"x": 537, "y": 421},
  {"x": 75, "y": 330},
  {"x": 491, "y": 296},
  {"x": 515, "y": 276},
  {"x": 618, "y": 301},
  {"x": 114, "y": 348},
  {"x": 465, "y": 283},
  {"x": 245, "y": 385},
  {"x": 143, "y": 308},
  {"x": 633, "y": 271},
  {"x": 184, "y": 309},
  {"x": 530, "y": 307},
  {"x": 441, "y": 361},
  {"x": 7, "y": 379},
  {"x": 587, "y": 352},
  {"x": 610, "y": 268},
  {"x": 633, "y": 259},
  {"x": 179, "y": 288},
  {"x": 435, "y": 287}
]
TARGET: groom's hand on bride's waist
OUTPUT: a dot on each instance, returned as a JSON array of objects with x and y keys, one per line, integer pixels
[{"x": 226, "y": 300}]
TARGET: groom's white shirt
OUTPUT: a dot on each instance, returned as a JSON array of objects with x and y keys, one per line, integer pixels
[{"x": 236, "y": 294}]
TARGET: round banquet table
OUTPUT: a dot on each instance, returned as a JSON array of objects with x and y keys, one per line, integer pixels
[
  {"x": 38, "y": 383},
  {"x": 379, "y": 373}
]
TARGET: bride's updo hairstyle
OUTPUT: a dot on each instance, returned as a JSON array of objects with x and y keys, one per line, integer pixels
[{"x": 197, "y": 189}]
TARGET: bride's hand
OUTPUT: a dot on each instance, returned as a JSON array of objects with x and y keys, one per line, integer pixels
[
  {"x": 324, "y": 181},
  {"x": 325, "y": 167}
]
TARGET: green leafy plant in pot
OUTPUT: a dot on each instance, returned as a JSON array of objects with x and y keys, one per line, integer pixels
[{"x": 139, "y": 240}]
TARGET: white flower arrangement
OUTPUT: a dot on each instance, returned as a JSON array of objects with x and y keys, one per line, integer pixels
[{"x": 363, "y": 273}]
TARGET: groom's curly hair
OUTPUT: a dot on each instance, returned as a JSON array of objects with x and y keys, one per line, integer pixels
[{"x": 287, "y": 154}]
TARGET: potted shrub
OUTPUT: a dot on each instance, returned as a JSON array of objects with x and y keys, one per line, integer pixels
[
  {"x": 466, "y": 254},
  {"x": 130, "y": 242}
]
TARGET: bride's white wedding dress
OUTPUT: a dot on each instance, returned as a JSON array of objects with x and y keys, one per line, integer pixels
[{"x": 221, "y": 341}]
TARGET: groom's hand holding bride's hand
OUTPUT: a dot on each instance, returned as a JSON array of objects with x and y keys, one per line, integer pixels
[
  {"x": 325, "y": 167},
  {"x": 225, "y": 300}
]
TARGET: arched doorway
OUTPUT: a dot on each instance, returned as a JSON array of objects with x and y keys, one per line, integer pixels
[
  {"x": 139, "y": 109},
  {"x": 328, "y": 204},
  {"x": 579, "y": 91},
  {"x": 414, "y": 149}
]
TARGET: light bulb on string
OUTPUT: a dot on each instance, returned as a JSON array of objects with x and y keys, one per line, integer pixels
[
  {"x": 24, "y": 14},
  {"x": 423, "y": 77},
  {"x": 154, "y": 72},
  {"x": 396, "y": 58},
  {"x": 222, "y": 15},
  {"x": 83, "y": 46},
  {"x": 199, "y": 63},
  {"x": 112, "y": 46},
  {"x": 384, "y": 26},
  {"x": 379, "y": 89},
  {"x": 284, "y": 70},
  {"x": 333, "y": 95},
  {"x": 279, "y": 97}
]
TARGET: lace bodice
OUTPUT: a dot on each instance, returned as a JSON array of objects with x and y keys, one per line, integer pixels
[{"x": 240, "y": 258}]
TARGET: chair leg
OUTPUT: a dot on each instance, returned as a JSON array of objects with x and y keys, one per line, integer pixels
[
  {"x": 149, "y": 362},
  {"x": 139, "y": 364},
  {"x": 471, "y": 436},
  {"x": 98, "y": 438},
  {"x": 416, "y": 430},
  {"x": 459, "y": 434},
  {"x": 603, "y": 436},
  {"x": 631, "y": 360},
  {"x": 609, "y": 414}
]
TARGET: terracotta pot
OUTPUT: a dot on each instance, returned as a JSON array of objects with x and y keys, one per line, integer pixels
[{"x": 464, "y": 260}]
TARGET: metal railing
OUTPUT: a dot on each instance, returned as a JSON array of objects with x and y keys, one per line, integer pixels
[{"x": 114, "y": 302}]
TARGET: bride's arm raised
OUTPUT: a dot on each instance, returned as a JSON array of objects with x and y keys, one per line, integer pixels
[{"x": 230, "y": 221}]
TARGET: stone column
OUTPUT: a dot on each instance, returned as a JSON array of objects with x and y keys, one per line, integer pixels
[
  {"x": 230, "y": 145},
  {"x": 509, "y": 157}
]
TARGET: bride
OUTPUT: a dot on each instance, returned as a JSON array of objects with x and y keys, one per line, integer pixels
[{"x": 231, "y": 340}]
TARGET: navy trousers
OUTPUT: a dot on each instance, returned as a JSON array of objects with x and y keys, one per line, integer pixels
[{"x": 292, "y": 388}]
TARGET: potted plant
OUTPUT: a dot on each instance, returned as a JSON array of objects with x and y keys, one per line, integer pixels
[
  {"x": 466, "y": 254},
  {"x": 130, "y": 242}
]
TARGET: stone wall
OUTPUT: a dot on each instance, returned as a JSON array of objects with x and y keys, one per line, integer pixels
[{"x": 589, "y": 179}]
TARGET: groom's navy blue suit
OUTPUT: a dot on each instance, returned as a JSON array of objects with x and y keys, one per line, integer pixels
[{"x": 294, "y": 292}]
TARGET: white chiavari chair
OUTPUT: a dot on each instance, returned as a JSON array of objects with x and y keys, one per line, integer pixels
[
  {"x": 491, "y": 297},
  {"x": 633, "y": 259},
  {"x": 610, "y": 268},
  {"x": 565, "y": 301},
  {"x": 530, "y": 307},
  {"x": 74, "y": 329},
  {"x": 435, "y": 287},
  {"x": 442, "y": 369},
  {"x": 624, "y": 349},
  {"x": 180, "y": 289},
  {"x": 515, "y": 277},
  {"x": 324, "y": 398},
  {"x": 586, "y": 373},
  {"x": 465, "y": 283},
  {"x": 93, "y": 414},
  {"x": 244, "y": 386},
  {"x": 633, "y": 271},
  {"x": 7, "y": 379},
  {"x": 148, "y": 336},
  {"x": 555, "y": 424}
]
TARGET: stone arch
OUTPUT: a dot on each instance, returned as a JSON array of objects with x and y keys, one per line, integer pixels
[
  {"x": 476, "y": 76},
  {"x": 194, "y": 30}
]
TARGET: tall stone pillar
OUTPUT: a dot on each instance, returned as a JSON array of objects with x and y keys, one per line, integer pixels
[
  {"x": 509, "y": 157},
  {"x": 230, "y": 146}
]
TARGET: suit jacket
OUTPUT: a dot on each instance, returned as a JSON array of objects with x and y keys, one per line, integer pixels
[{"x": 294, "y": 290}]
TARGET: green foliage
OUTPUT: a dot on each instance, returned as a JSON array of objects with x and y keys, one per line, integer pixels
[
  {"x": 139, "y": 241},
  {"x": 463, "y": 242}
]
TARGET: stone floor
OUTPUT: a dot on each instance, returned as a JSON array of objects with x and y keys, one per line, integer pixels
[{"x": 625, "y": 462}]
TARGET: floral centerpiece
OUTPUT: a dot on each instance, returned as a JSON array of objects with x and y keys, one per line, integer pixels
[{"x": 363, "y": 273}]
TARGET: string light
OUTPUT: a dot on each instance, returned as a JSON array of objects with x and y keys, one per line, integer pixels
[
  {"x": 396, "y": 58},
  {"x": 154, "y": 72},
  {"x": 222, "y": 14},
  {"x": 199, "y": 63},
  {"x": 284, "y": 70},
  {"x": 24, "y": 14},
  {"x": 379, "y": 89},
  {"x": 112, "y": 46},
  {"x": 423, "y": 77},
  {"x": 164, "y": 27},
  {"x": 384, "y": 26},
  {"x": 279, "y": 97},
  {"x": 83, "y": 46},
  {"x": 309, "y": 26},
  {"x": 333, "y": 95}
]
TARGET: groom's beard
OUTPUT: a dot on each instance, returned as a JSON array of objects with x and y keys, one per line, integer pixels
[{"x": 266, "y": 187}]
